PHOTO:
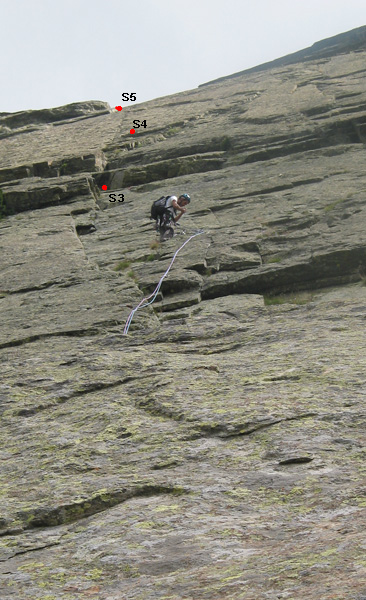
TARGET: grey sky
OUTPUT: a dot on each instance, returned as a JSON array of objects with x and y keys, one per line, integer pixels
[{"x": 57, "y": 52}]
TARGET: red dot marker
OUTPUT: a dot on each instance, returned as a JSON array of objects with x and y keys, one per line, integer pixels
[
  {"x": 118, "y": 107},
  {"x": 104, "y": 187},
  {"x": 132, "y": 131}
]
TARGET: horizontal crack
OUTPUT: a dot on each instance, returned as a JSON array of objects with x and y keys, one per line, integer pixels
[
  {"x": 99, "y": 502},
  {"x": 94, "y": 387},
  {"x": 94, "y": 330},
  {"x": 29, "y": 550},
  {"x": 226, "y": 431},
  {"x": 328, "y": 269},
  {"x": 35, "y": 288},
  {"x": 272, "y": 190}
]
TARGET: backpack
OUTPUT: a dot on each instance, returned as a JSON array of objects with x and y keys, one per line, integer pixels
[{"x": 158, "y": 207}]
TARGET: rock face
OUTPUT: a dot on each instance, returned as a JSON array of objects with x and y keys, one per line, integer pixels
[{"x": 216, "y": 451}]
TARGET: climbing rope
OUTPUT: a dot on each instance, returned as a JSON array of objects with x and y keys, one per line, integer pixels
[{"x": 156, "y": 291}]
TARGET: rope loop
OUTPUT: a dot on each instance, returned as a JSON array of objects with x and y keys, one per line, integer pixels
[{"x": 156, "y": 291}]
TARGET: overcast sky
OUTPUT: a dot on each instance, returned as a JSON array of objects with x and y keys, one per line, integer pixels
[{"x": 54, "y": 52}]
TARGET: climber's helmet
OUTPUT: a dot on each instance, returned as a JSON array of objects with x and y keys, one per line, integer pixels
[{"x": 185, "y": 197}]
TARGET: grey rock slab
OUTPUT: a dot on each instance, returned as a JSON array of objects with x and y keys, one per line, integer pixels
[
  {"x": 49, "y": 142},
  {"x": 38, "y": 252},
  {"x": 83, "y": 303},
  {"x": 217, "y": 450}
]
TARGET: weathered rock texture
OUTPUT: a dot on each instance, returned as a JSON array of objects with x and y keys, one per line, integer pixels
[{"x": 217, "y": 451}]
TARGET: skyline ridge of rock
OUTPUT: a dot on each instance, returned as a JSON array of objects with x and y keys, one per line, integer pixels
[{"x": 351, "y": 40}]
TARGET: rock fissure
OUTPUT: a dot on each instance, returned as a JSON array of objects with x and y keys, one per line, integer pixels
[
  {"x": 42, "y": 518},
  {"x": 89, "y": 389},
  {"x": 29, "y": 550},
  {"x": 242, "y": 429},
  {"x": 94, "y": 330}
]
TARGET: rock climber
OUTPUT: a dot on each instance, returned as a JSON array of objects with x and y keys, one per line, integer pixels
[{"x": 165, "y": 212}]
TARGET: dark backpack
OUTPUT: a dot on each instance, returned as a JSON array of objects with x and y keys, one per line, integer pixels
[{"x": 158, "y": 207}]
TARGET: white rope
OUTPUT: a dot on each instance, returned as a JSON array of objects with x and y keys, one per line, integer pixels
[{"x": 156, "y": 291}]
